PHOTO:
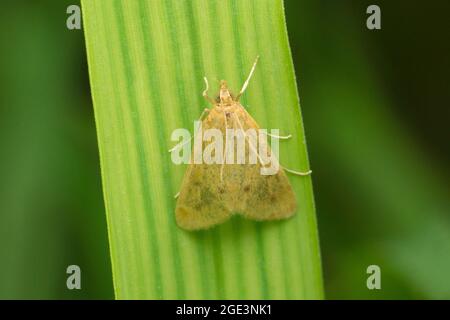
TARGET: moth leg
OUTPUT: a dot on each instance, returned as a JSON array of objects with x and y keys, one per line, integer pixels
[
  {"x": 205, "y": 111},
  {"x": 180, "y": 146},
  {"x": 205, "y": 92},
  {"x": 298, "y": 173},
  {"x": 259, "y": 157},
  {"x": 307, "y": 173},
  {"x": 276, "y": 136},
  {"x": 248, "y": 79}
]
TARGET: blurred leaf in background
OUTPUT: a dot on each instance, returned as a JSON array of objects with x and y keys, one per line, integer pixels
[
  {"x": 51, "y": 208},
  {"x": 376, "y": 118}
]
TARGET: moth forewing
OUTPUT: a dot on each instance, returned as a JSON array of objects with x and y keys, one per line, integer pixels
[
  {"x": 201, "y": 203},
  {"x": 264, "y": 197}
]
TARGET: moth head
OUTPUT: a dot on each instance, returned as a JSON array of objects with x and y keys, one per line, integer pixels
[{"x": 224, "y": 94}]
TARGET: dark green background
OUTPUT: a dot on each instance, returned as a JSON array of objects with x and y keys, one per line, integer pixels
[{"x": 376, "y": 112}]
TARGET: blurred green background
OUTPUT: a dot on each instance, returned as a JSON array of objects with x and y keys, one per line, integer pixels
[{"x": 376, "y": 112}]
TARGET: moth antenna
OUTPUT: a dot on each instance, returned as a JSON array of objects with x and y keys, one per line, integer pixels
[
  {"x": 205, "y": 111},
  {"x": 248, "y": 79},
  {"x": 225, "y": 148},
  {"x": 277, "y": 137},
  {"x": 205, "y": 92},
  {"x": 298, "y": 173},
  {"x": 261, "y": 162}
]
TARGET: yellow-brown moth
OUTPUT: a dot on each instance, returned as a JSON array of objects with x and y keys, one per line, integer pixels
[{"x": 211, "y": 193}]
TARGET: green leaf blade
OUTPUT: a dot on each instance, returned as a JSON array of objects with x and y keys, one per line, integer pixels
[{"x": 147, "y": 60}]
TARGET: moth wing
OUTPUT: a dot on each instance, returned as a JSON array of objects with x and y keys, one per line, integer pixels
[
  {"x": 263, "y": 197},
  {"x": 268, "y": 197},
  {"x": 203, "y": 200},
  {"x": 200, "y": 204}
]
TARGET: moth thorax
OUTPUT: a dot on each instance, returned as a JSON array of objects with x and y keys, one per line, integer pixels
[{"x": 224, "y": 95}]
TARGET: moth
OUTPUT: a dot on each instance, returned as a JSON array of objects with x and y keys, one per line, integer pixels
[{"x": 211, "y": 193}]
